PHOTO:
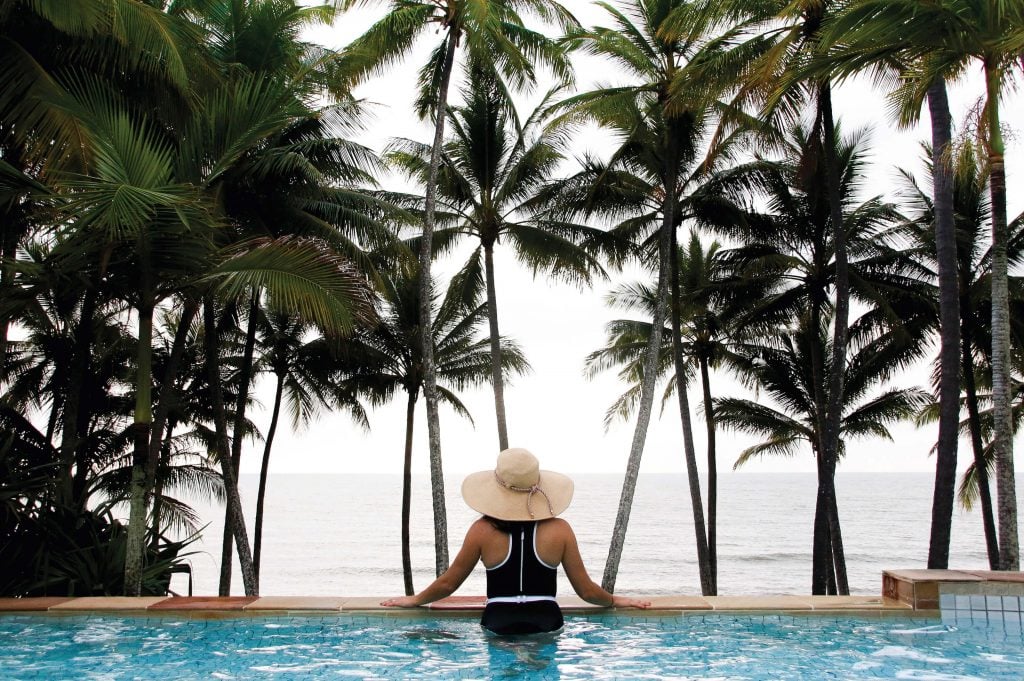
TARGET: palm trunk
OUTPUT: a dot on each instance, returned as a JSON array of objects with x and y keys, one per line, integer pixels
[
  {"x": 257, "y": 546},
  {"x": 949, "y": 325},
  {"x": 135, "y": 542},
  {"x": 492, "y": 321},
  {"x": 168, "y": 389},
  {"x": 1002, "y": 441},
  {"x": 76, "y": 413},
  {"x": 426, "y": 323},
  {"x": 249, "y": 580},
  {"x": 840, "y": 331},
  {"x": 693, "y": 480},
  {"x": 13, "y": 226},
  {"x": 647, "y": 386},
  {"x": 158, "y": 490},
  {"x": 709, "y": 422},
  {"x": 410, "y": 416},
  {"x": 980, "y": 464},
  {"x": 244, "y": 376}
]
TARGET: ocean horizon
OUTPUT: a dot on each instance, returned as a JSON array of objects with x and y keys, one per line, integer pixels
[{"x": 339, "y": 534}]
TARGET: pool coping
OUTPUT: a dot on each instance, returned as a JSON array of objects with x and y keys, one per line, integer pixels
[{"x": 905, "y": 593}]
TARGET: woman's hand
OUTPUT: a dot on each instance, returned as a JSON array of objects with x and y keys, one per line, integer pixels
[
  {"x": 401, "y": 602},
  {"x": 626, "y": 602}
]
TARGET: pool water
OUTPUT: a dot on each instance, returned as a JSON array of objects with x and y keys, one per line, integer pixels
[{"x": 604, "y": 647}]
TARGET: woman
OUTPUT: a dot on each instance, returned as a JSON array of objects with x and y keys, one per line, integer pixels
[{"x": 521, "y": 543}]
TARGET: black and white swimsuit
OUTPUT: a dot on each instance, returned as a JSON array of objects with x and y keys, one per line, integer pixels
[{"x": 521, "y": 588}]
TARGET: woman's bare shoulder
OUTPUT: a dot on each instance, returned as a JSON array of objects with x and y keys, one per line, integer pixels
[{"x": 557, "y": 526}]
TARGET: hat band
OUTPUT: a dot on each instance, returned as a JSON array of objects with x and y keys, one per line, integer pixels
[{"x": 530, "y": 490}]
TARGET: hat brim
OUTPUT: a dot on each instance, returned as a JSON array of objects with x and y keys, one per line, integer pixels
[{"x": 482, "y": 493}]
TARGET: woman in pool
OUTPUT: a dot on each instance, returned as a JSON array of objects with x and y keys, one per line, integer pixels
[{"x": 521, "y": 543}]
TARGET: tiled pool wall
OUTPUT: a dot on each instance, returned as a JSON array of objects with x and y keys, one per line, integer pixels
[
  {"x": 993, "y": 610},
  {"x": 961, "y": 597}
]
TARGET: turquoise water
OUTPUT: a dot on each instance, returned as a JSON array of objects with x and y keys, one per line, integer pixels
[{"x": 691, "y": 647}]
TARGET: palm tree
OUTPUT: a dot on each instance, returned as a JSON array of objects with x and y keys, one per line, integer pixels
[
  {"x": 492, "y": 169},
  {"x": 707, "y": 306},
  {"x": 44, "y": 49},
  {"x": 306, "y": 372},
  {"x": 781, "y": 368},
  {"x": 791, "y": 248},
  {"x": 973, "y": 262},
  {"x": 943, "y": 37},
  {"x": 494, "y": 35},
  {"x": 852, "y": 47},
  {"x": 389, "y": 358},
  {"x": 645, "y": 187}
]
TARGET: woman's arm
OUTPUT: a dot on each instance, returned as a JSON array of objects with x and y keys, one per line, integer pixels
[
  {"x": 454, "y": 576},
  {"x": 581, "y": 582}
]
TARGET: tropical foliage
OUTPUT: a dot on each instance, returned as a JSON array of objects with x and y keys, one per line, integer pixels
[{"x": 190, "y": 212}]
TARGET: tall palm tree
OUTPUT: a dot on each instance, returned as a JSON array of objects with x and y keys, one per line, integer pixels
[
  {"x": 791, "y": 246},
  {"x": 973, "y": 262},
  {"x": 494, "y": 35},
  {"x": 788, "y": 35},
  {"x": 644, "y": 186},
  {"x": 944, "y": 37},
  {"x": 389, "y": 358},
  {"x": 491, "y": 171},
  {"x": 307, "y": 378},
  {"x": 706, "y": 310},
  {"x": 852, "y": 47}
]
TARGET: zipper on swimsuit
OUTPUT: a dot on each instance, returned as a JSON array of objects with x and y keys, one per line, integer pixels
[{"x": 522, "y": 551}]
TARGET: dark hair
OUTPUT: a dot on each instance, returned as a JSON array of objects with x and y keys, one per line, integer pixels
[{"x": 506, "y": 526}]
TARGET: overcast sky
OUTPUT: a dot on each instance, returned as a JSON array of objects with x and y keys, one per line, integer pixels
[{"x": 554, "y": 411}]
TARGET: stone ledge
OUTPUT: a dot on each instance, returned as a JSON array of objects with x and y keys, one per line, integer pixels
[
  {"x": 109, "y": 603},
  {"x": 295, "y": 603}
]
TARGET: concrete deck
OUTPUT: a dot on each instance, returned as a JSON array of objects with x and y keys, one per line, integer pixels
[{"x": 904, "y": 593}]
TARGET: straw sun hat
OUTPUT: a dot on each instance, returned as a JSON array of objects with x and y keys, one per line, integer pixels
[{"x": 517, "y": 489}]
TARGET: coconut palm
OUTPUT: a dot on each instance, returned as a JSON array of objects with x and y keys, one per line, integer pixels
[
  {"x": 973, "y": 260},
  {"x": 494, "y": 36},
  {"x": 706, "y": 308},
  {"x": 787, "y": 35},
  {"x": 851, "y": 47},
  {"x": 781, "y": 368},
  {"x": 792, "y": 248},
  {"x": 492, "y": 169},
  {"x": 307, "y": 379},
  {"x": 658, "y": 156},
  {"x": 389, "y": 358},
  {"x": 942, "y": 39}
]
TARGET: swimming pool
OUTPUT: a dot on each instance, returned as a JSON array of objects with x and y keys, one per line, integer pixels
[{"x": 591, "y": 647}]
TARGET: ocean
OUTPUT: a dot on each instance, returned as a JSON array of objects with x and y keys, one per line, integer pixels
[{"x": 340, "y": 534}]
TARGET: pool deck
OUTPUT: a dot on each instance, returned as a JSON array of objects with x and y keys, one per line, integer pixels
[{"x": 905, "y": 593}]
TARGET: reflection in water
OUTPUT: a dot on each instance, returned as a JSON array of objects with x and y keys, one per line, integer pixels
[{"x": 511, "y": 656}]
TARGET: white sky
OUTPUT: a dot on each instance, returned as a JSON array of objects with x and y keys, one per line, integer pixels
[{"x": 554, "y": 411}]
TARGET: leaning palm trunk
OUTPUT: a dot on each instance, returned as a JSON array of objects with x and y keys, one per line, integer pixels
[
  {"x": 410, "y": 419},
  {"x": 249, "y": 580},
  {"x": 949, "y": 326},
  {"x": 492, "y": 321},
  {"x": 833, "y": 414},
  {"x": 647, "y": 385},
  {"x": 261, "y": 493},
  {"x": 1002, "y": 441},
  {"x": 707, "y": 583},
  {"x": 978, "y": 446},
  {"x": 135, "y": 541},
  {"x": 426, "y": 322},
  {"x": 244, "y": 377}
]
